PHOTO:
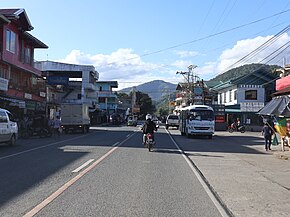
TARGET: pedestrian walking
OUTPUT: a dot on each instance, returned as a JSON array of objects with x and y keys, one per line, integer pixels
[
  {"x": 56, "y": 126},
  {"x": 267, "y": 132}
]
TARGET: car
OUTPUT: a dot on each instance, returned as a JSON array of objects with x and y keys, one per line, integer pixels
[
  {"x": 156, "y": 121},
  {"x": 8, "y": 127},
  {"x": 132, "y": 120},
  {"x": 172, "y": 120}
]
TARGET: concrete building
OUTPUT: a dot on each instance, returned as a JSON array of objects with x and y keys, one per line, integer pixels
[{"x": 69, "y": 83}]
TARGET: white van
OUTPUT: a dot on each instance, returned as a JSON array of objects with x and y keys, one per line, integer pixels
[{"x": 8, "y": 127}]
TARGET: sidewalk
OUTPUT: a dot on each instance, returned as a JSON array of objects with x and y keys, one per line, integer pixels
[{"x": 249, "y": 184}]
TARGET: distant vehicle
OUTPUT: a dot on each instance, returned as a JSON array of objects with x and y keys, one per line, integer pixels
[
  {"x": 8, "y": 127},
  {"x": 197, "y": 120},
  {"x": 172, "y": 121},
  {"x": 132, "y": 120},
  {"x": 75, "y": 117},
  {"x": 156, "y": 121}
]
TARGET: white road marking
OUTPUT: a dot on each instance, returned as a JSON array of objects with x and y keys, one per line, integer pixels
[
  {"x": 83, "y": 166},
  {"x": 128, "y": 135},
  {"x": 117, "y": 143},
  {"x": 217, "y": 204},
  {"x": 63, "y": 188},
  {"x": 40, "y": 147}
]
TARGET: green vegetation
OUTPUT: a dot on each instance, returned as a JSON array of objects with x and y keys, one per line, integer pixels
[{"x": 240, "y": 71}]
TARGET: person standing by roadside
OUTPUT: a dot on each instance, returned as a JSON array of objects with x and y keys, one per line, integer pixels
[
  {"x": 56, "y": 126},
  {"x": 267, "y": 133}
]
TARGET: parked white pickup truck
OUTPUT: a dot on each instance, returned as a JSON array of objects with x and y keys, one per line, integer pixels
[{"x": 8, "y": 127}]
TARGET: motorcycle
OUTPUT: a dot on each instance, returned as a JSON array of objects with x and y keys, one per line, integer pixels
[
  {"x": 42, "y": 132},
  {"x": 149, "y": 141},
  {"x": 233, "y": 127}
]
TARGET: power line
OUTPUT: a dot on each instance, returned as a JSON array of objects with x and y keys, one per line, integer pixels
[
  {"x": 206, "y": 37},
  {"x": 260, "y": 48}
]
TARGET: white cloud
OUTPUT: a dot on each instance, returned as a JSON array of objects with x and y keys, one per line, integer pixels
[
  {"x": 128, "y": 68},
  {"x": 184, "y": 54},
  {"x": 181, "y": 64},
  {"x": 124, "y": 66},
  {"x": 244, "y": 47}
]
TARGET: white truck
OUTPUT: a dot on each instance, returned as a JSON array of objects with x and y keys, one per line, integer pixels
[{"x": 75, "y": 117}]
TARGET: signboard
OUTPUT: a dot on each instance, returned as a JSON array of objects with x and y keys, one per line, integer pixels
[
  {"x": 251, "y": 106},
  {"x": 42, "y": 94},
  {"x": 27, "y": 95},
  {"x": 220, "y": 119},
  {"x": 3, "y": 84},
  {"x": 197, "y": 90},
  {"x": 219, "y": 109},
  {"x": 172, "y": 103},
  {"x": 58, "y": 80}
]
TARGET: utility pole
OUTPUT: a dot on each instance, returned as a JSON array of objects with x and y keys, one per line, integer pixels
[
  {"x": 190, "y": 78},
  {"x": 133, "y": 98}
]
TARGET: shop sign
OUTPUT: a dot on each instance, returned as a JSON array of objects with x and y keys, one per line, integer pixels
[
  {"x": 30, "y": 105},
  {"x": 251, "y": 106},
  {"x": 27, "y": 96},
  {"x": 42, "y": 94},
  {"x": 3, "y": 84},
  {"x": 58, "y": 80},
  {"x": 220, "y": 119}
]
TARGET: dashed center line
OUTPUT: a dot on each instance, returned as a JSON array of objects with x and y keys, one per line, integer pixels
[{"x": 83, "y": 166}]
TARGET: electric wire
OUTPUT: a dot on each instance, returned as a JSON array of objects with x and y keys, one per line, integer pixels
[
  {"x": 205, "y": 37},
  {"x": 259, "y": 49}
]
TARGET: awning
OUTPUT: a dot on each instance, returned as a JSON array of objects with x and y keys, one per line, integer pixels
[
  {"x": 14, "y": 102},
  {"x": 277, "y": 106}
]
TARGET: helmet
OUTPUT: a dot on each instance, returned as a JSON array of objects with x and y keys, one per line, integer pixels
[{"x": 148, "y": 116}]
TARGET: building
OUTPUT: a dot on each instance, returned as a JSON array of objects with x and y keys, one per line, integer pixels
[
  {"x": 22, "y": 89},
  {"x": 108, "y": 103},
  {"x": 69, "y": 83},
  {"x": 243, "y": 97}
]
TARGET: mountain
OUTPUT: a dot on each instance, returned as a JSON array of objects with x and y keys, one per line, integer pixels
[
  {"x": 155, "y": 89},
  {"x": 240, "y": 71}
]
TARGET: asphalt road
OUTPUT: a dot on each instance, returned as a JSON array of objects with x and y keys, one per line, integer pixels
[{"x": 104, "y": 173}]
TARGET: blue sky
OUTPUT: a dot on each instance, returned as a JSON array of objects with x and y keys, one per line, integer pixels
[{"x": 134, "y": 42}]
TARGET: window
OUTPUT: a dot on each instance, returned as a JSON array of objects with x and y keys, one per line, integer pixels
[
  {"x": 101, "y": 88},
  {"x": 230, "y": 98},
  {"x": 102, "y": 100},
  {"x": 225, "y": 97},
  {"x": 3, "y": 117},
  {"x": 220, "y": 98},
  {"x": 251, "y": 94},
  {"x": 10, "y": 41},
  {"x": 27, "y": 55},
  {"x": 235, "y": 95}
]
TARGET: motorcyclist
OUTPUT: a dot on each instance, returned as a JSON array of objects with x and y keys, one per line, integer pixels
[{"x": 148, "y": 127}]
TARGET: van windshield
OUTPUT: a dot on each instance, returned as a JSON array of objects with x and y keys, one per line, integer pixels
[
  {"x": 173, "y": 117},
  {"x": 201, "y": 115}
]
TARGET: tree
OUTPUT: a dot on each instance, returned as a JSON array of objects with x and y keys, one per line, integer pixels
[{"x": 145, "y": 103}]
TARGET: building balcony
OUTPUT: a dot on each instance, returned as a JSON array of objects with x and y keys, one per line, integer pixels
[
  {"x": 89, "y": 86},
  {"x": 107, "y": 94}
]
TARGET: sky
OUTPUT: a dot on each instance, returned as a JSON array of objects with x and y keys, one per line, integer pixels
[{"x": 137, "y": 41}]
